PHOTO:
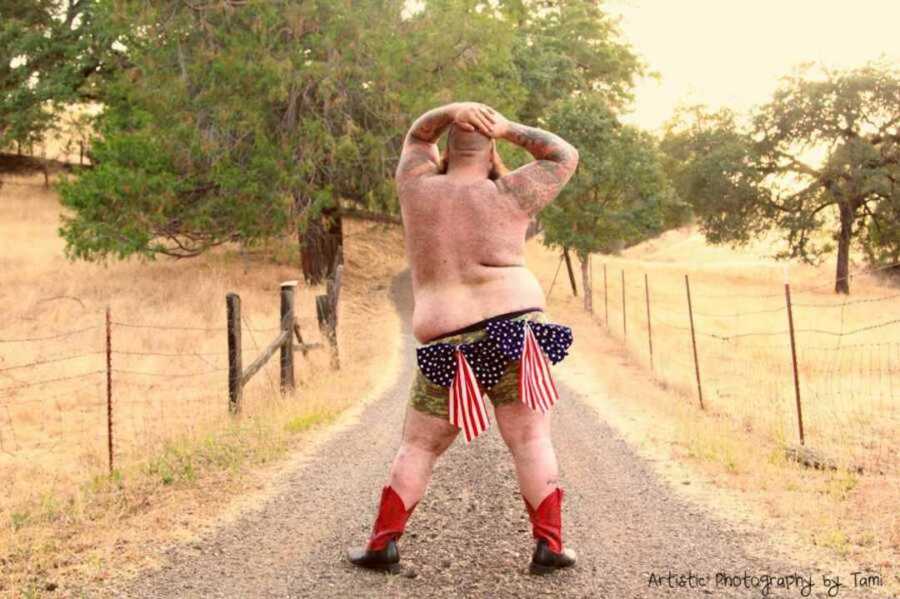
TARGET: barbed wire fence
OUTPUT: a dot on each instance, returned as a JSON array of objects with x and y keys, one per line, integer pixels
[
  {"x": 103, "y": 393},
  {"x": 819, "y": 376}
]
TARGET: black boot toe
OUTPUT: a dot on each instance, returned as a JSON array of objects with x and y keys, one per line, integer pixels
[
  {"x": 545, "y": 561},
  {"x": 382, "y": 559}
]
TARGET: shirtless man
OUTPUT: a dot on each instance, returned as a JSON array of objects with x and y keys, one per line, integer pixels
[{"x": 465, "y": 219}]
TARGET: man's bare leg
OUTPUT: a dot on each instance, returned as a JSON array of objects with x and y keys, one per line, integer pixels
[
  {"x": 425, "y": 438},
  {"x": 527, "y": 435}
]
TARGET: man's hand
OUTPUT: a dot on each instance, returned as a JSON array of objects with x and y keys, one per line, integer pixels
[
  {"x": 501, "y": 124},
  {"x": 420, "y": 152},
  {"x": 471, "y": 116}
]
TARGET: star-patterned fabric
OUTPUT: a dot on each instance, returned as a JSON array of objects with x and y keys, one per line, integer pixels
[
  {"x": 509, "y": 338},
  {"x": 469, "y": 368},
  {"x": 488, "y": 356}
]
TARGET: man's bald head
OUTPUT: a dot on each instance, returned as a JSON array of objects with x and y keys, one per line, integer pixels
[{"x": 467, "y": 143}]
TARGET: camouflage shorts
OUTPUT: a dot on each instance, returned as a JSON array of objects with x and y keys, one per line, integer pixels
[{"x": 433, "y": 399}]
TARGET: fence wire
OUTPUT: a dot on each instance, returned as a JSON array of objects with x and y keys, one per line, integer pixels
[
  {"x": 54, "y": 406},
  {"x": 848, "y": 357}
]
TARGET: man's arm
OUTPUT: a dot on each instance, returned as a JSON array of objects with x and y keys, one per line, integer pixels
[
  {"x": 420, "y": 152},
  {"x": 536, "y": 184}
]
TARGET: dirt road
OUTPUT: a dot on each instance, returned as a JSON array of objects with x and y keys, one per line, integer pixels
[{"x": 470, "y": 537}]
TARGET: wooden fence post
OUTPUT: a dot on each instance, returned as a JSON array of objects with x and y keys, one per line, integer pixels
[
  {"x": 327, "y": 312},
  {"x": 649, "y": 327},
  {"x": 109, "y": 406},
  {"x": 787, "y": 297},
  {"x": 624, "y": 319},
  {"x": 235, "y": 365},
  {"x": 687, "y": 286},
  {"x": 287, "y": 326}
]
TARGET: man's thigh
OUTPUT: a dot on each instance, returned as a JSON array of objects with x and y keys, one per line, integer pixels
[
  {"x": 428, "y": 398},
  {"x": 426, "y": 422}
]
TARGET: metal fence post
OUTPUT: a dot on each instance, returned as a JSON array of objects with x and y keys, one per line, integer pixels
[
  {"x": 605, "y": 298},
  {"x": 109, "y": 406},
  {"x": 624, "y": 319},
  {"x": 787, "y": 297},
  {"x": 687, "y": 286},
  {"x": 649, "y": 327}
]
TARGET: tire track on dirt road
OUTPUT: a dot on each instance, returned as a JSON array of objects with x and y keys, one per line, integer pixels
[{"x": 469, "y": 536}]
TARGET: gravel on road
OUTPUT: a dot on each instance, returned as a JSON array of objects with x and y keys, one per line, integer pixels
[{"x": 470, "y": 535}]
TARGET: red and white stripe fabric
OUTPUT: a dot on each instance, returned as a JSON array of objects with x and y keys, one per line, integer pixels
[
  {"x": 467, "y": 405},
  {"x": 536, "y": 387}
]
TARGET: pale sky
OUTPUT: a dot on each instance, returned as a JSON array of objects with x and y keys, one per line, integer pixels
[{"x": 732, "y": 52}]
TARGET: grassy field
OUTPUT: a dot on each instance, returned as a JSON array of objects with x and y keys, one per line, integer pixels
[
  {"x": 175, "y": 442},
  {"x": 848, "y": 347}
]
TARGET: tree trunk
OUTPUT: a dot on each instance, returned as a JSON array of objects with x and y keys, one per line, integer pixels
[
  {"x": 319, "y": 244},
  {"x": 586, "y": 286},
  {"x": 842, "y": 281},
  {"x": 569, "y": 269}
]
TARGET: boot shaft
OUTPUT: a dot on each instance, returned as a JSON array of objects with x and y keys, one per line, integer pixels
[
  {"x": 391, "y": 520},
  {"x": 546, "y": 519}
]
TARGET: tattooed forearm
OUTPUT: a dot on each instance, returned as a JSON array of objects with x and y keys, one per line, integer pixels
[
  {"x": 430, "y": 126},
  {"x": 543, "y": 145},
  {"x": 534, "y": 185},
  {"x": 420, "y": 154}
]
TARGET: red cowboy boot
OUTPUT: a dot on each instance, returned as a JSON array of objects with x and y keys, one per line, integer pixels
[
  {"x": 546, "y": 525},
  {"x": 381, "y": 551}
]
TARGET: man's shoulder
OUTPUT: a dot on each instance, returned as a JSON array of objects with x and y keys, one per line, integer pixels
[{"x": 446, "y": 186}]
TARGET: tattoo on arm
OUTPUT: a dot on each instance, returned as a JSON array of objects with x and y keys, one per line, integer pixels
[
  {"x": 418, "y": 158},
  {"x": 536, "y": 184},
  {"x": 543, "y": 145},
  {"x": 420, "y": 153},
  {"x": 430, "y": 126}
]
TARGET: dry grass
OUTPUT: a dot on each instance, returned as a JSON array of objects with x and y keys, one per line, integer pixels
[
  {"x": 847, "y": 347},
  {"x": 175, "y": 443},
  {"x": 730, "y": 456}
]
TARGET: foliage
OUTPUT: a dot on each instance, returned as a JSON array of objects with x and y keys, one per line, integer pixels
[
  {"x": 236, "y": 121},
  {"x": 743, "y": 181},
  {"x": 619, "y": 195},
  {"x": 54, "y": 52},
  {"x": 564, "y": 47}
]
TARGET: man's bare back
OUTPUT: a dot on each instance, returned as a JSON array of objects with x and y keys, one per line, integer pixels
[{"x": 465, "y": 233}]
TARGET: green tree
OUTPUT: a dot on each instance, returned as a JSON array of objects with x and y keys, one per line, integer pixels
[
  {"x": 239, "y": 119},
  {"x": 743, "y": 181},
  {"x": 565, "y": 47},
  {"x": 52, "y": 53},
  {"x": 619, "y": 195}
]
